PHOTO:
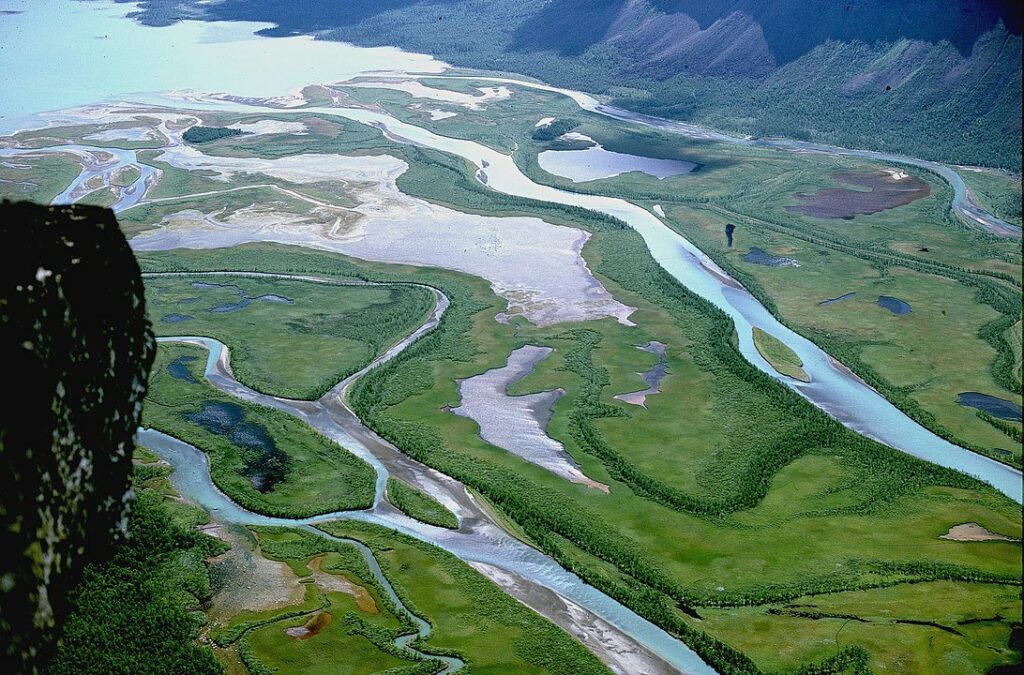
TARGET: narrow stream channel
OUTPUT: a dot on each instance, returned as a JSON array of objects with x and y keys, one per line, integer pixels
[{"x": 94, "y": 167}]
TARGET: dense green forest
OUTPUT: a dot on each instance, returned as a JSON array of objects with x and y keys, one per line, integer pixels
[
  {"x": 138, "y": 613},
  {"x": 208, "y": 134}
]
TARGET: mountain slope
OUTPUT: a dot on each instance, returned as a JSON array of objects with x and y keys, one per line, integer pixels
[{"x": 939, "y": 79}]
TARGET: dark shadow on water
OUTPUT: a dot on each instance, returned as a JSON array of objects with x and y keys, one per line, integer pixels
[
  {"x": 176, "y": 318},
  {"x": 179, "y": 370},
  {"x": 832, "y": 301},
  {"x": 761, "y": 257}
]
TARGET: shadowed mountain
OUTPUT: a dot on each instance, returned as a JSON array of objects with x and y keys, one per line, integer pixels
[{"x": 939, "y": 79}]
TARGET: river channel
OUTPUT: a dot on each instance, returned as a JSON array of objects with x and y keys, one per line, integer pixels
[
  {"x": 625, "y": 641},
  {"x": 832, "y": 387}
]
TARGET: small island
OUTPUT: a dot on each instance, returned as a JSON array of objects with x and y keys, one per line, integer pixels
[
  {"x": 208, "y": 134},
  {"x": 782, "y": 358}
]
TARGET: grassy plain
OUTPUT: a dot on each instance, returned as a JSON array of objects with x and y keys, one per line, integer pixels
[
  {"x": 701, "y": 524},
  {"x": 297, "y": 350},
  {"x": 319, "y": 476},
  {"x": 357, "y": 639},
  {"x": 469, "y": 614},
  {"x": 729, "y": 493},
  {"x": 37, "y": 179},
  {"x": 781, "y": 357}
]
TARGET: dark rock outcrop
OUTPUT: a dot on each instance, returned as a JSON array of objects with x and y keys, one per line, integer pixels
[{"x": 77, "y": 347}]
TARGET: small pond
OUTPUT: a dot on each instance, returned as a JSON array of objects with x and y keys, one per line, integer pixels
[
  {"x": 832, "y": 301},
  {"x": 595, "y": 162},
  {"x": 994, "y": 406},
  {"x": 894, "y": 305},
  {"x": 652, "y": 378},
  {"x": 264, "y": 463},
  {"x": 761, "y": 257},
  {"x": 179, "y": 370},
  {"x": 176, "y": 318},
  {"x": 243, "y": 299}
]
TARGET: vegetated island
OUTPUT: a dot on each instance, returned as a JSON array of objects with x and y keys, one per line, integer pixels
[
  {"x": 208, "y": 134},
  {"x": 415, "y": 504},
  {"x": 781, "y": 357}
]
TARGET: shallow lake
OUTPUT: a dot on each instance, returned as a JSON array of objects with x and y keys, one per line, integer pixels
[
  {"x": 894, "y": 305},
  {"x": 593, "y": 163}
]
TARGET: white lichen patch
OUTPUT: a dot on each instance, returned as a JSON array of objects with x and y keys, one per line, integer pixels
[
  {"x": 124, "y": 134},
  {"x": 269, "y": 127}
]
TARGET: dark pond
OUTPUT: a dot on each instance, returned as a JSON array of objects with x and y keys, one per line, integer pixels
[
  {"x": 894, "y": 305},
  {"x": 243, "y": 299},
  {"x": 994, "y": 406},
  {"x": 842, "y": 297},
  {"x": 264, "y": 463},
  {"x": 179, "y": 370},
  {"x": 176, "y": 318},
  {"x": 761, "y": 257}
]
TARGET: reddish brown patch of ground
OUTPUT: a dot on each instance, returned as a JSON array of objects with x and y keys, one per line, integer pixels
[
  {"x": 316, "y": 623},
  {"x": 884, "y": 191}
]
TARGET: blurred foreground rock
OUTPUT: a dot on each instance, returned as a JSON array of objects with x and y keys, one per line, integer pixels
[{"x": 76, "y": 347}]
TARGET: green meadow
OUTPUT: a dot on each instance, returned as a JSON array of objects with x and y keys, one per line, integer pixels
[
  {"x": 739, "y": 518},
  {"x": 687, "y": 526},
  {"x": 310, "y": 474},
  {"x": 296, "y": 349}
]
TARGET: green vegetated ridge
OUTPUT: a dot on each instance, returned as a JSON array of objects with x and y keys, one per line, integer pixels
[
  {"x": 415, "y": 504},
  {"x": 780, "y": 356}
]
